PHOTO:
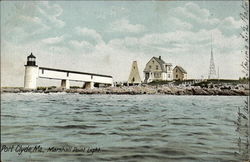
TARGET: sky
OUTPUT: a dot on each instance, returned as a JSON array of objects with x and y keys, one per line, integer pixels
[{"x": 107, "y": 36}]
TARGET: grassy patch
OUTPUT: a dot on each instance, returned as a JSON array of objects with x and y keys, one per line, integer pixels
[
  {"x": 74, "y": 87},
  {"x": 51, "y": 87},
  {"x": 204, "y": 83},
  {"x": 41, "y": 88},
  {"x": 159, "y": 82}
]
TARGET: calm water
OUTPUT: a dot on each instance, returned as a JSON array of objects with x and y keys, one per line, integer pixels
[{"x": 125, "y": 128}]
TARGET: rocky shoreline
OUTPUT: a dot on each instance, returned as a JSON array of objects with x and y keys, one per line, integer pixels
[{"x": 145, "y": 89}]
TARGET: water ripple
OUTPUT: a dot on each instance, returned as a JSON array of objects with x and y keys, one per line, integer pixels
[{"x": 127, "y": 128}]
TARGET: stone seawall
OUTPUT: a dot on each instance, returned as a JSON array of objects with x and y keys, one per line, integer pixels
[{"x": 139, "y": 90}]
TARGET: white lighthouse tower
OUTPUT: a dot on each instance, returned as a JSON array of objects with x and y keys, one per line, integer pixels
[{"x": 31, "y": 72}]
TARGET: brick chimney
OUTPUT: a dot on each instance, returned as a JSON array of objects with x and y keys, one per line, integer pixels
[{"x": 160, "y": 57}]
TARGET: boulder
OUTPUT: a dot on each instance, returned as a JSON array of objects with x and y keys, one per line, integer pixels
[{"x": 199, "y": 91}]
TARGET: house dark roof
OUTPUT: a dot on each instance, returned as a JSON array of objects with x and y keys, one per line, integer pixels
[
  {"x": 161, "y": 62},
  {"x": 31, "y": 56},
  {"x": 181, "y": 69}
]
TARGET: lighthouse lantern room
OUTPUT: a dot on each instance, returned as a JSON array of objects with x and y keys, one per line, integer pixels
[{"x": 31, "y": 60}]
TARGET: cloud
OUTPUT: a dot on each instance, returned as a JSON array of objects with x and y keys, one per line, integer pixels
[
  {"x": 51, "y": 13},
  {"x": 123, "y": 25},
  {"x": 231, "y": 23},
  {"x": 194, "y": 9},
  {"x": 53, "y": 40},
  {"x": 202, "y": 18},
  {"x": 178, "y": 24},
  {"x": 89, "y": 33},
  {"x": 194, "y": 13},
  {"x": 30, "y": 20},
  {"x": 82, "y": 46}
]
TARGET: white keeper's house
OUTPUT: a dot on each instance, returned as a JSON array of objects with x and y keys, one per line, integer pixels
[{"x": 157, "y": 69}]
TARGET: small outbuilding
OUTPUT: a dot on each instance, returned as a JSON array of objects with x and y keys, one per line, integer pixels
[{"x": 179, "y": 73}]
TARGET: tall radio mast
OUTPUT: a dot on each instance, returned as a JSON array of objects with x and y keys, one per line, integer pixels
[{"x": 212, "y": 71}]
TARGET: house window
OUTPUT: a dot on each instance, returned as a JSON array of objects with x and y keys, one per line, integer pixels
[
  {"x": 67, "y": 74},
  {"x": 157, "y": 67},
  {"x": 176, "y": 76},
  {"x": 153, "y": 61},
  {"x": 168, "y": 75},
  {"x": 176, "y": 70},
  {"x": 169, "y": 68},
  {"x": 149, "y": 66},
  {"x": 42, "y": 71},
  {"x": 134, "y": 67},
  {"x": 157, "y": 75}
]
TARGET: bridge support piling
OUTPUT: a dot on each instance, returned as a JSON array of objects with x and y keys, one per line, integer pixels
[
  {"x": 65, "y": 84},
  {"x": 89, "y": 85}
]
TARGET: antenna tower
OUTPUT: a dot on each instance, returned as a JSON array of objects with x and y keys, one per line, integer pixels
[{"x": 212, "y": 72}]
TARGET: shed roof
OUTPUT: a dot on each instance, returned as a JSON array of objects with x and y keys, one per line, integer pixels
[{"x": 181, "y": 69}]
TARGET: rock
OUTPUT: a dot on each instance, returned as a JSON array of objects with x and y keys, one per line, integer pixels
[
  {"x": 188, "y": 91},
  {"x": 56, "y": 90},
  {"x": 241, "y": 92},
  {"x": 199, "y": 91},
  {"x": 166, "y": 90},
  {"x": 225, "y": 88},
  {"x": 225, "y": 92},
  {"x": 145, "y": 89},
  {"x": 211, "y": 91},
  {"x": 160, "y": 91},
  {"x": 180, "y": 92},
  {"x": 173, "y": 90},
  {"x": 26, "y": 90}
]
